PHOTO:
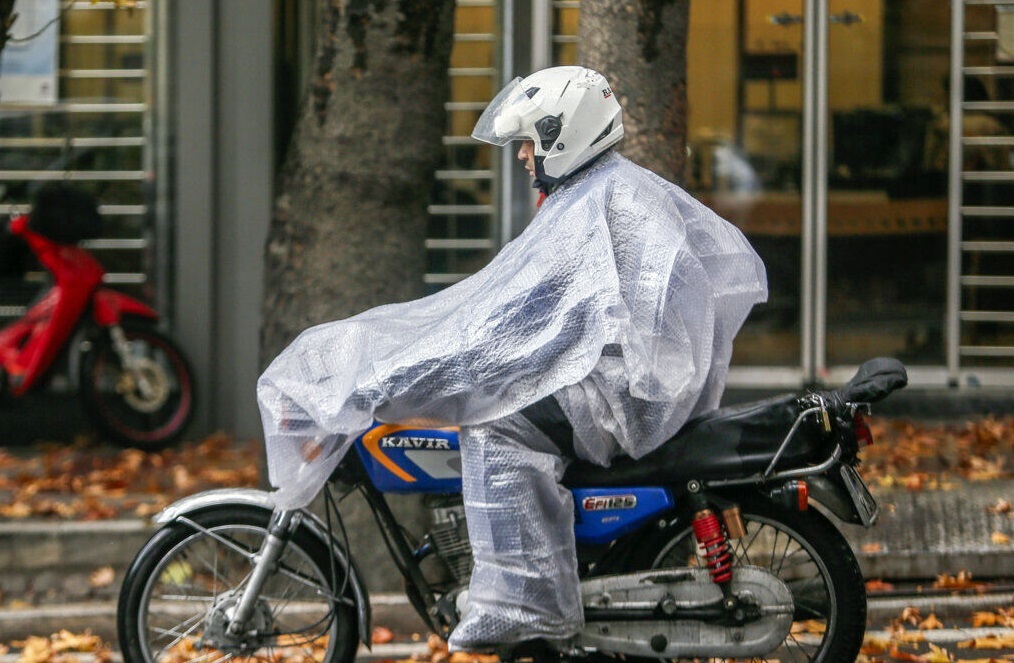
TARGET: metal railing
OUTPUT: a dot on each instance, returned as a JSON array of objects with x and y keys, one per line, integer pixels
[{"x": 98, "y": 134}]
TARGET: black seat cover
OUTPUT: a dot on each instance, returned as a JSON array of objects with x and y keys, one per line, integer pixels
[
  {"x": 741, "y": 440},
  {"x": 729, "y": 442},
  {"x": 874, "y": 380}
]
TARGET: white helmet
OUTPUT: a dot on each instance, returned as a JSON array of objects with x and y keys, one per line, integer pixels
[{"x": 569, "y": 112}]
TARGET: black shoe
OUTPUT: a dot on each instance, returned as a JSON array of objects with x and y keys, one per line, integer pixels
[{"x": 536, "y": 651}]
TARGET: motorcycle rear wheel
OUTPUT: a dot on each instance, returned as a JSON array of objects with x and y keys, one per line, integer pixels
[
  {"x": 117, "y": 406},
  {"x": 178, "y": 595},
  {"x": 810, "y": 555}
]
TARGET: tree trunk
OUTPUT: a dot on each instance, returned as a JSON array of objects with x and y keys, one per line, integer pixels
[
  {"x": 349, "y": 225},
  {"x": 7, "y": 17},
  {"x": 641, "y": 47}
]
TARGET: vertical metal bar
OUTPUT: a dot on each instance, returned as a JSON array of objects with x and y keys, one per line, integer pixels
[
  {"x": 809, "y": 187},
  {"x": 542, "y": 34},
  {"x": 820, "y": 192},
  {"x": 955, "y": 193},
  {"x": 148, "y": 190},
  {"x": 265, "y": 564},
  {"x": 158, "y": 29},
  {"x": 506, "y": 176}
]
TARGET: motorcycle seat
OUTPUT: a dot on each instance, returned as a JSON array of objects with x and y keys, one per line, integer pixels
[{"x": 733, "y": 441}]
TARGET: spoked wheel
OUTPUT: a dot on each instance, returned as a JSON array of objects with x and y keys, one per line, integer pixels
[
  {"x": 146, "y": 404},
  {"x": 182, "y": 590},
  {"x": 811, "y": 557}
]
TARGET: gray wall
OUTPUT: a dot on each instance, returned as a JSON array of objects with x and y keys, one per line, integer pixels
[{"x": 221, "y": 101}]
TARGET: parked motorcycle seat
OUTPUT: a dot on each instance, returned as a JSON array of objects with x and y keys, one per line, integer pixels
[{"x": 730, "y": 442}]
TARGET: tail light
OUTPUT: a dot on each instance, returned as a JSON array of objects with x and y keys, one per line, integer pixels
[
  {"x": 793, "y": 495},
  {"x": 862, "y": 429}
]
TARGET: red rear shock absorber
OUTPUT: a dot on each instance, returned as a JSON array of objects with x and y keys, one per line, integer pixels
[{"x": 711, "y": 538}]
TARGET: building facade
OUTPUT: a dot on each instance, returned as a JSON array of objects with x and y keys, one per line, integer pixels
[{"x": 864, "y": 146}]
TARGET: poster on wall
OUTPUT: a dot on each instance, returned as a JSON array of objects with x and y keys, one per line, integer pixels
[{"x": 28, "y": 69}]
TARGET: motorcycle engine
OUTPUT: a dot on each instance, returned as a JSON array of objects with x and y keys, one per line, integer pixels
[{"x": 449, "y": 537}]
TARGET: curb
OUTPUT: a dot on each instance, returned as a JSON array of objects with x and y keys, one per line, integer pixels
[{"x": 392, "y": 611}]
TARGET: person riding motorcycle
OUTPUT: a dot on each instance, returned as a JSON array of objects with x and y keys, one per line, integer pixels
[
  {"x": 525, "y": 581},
  {"x": 599, "y": 331}
]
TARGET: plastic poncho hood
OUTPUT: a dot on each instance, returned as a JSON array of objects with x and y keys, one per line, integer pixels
[{"x": 621, "y": 297}]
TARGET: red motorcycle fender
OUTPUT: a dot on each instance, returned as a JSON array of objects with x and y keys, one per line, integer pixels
[{"x": 109, "y": 307}]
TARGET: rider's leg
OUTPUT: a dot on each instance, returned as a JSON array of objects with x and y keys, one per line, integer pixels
[{"x": 521, "y": 525}]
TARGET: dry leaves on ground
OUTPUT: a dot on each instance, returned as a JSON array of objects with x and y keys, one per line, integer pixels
[
  {"x": 59, "y": 647},
  {"x": 901, "y": 643},
  {"x": 961, "y": 581},
  {"x": 83, "y": 482},
  {"x": 922, "y": 457}
]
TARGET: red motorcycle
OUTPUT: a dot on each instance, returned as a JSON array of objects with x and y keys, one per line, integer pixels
[{"x": 135, "y": 384}]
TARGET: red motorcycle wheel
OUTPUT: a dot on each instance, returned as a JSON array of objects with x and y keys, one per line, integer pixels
[{"x": 151, "y": 415}]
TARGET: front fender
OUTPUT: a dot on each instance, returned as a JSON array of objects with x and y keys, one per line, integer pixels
[
  {"x": 260, "y": 499},
  {"x": 109, "y": 307}
]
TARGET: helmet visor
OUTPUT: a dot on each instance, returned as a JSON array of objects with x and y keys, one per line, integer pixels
[{"x": 510, "y": 116}]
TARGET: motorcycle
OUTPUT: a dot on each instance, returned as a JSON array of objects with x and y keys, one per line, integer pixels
[
  {"x": 708, "y": 547},
  {"x": 135, "y": 384}
]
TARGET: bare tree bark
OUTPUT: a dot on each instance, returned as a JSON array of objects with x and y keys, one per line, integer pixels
[
  {"x": 7, "y": 17},
  {"x": 641, "y": 47},
  {"x": 349, "y": 225}
]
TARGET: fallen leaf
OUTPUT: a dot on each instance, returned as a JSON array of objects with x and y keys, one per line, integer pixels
[
  {"x": 899, "y": 655},
  {"x": 930, "y": 623},
  {"x": 963, "y": 580},
  {"x": 34, "y": 650},
  {"x": 999, "y": 538},
  {"x": 981, "y": 619},
  {"x": 102, "y": 577},
  {"x": 66, "y": 641},
  {"x": 989, "y": 642},
  {"x": 870, "y": 548},
  {"x": 1000, "y": 506},
  {"x": 811, "y": 626},
  {"x": 937, "y": 655},
  {"x": 381, "y": 635},
  {"x": 436, "y": 644},
  {"x": 910, "y": 615},
  {"x": 873, "y": 645},
  {"x": 878, "y": 586}
]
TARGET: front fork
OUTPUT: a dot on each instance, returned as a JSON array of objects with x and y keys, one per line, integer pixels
[
  {"x": 137, "y": 378},
  {"x": 280, "y": 530}
]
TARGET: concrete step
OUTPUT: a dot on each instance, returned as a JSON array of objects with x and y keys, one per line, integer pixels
[
  {"x": 44, "y": 562},
  {"x": 923, "y": 534}
]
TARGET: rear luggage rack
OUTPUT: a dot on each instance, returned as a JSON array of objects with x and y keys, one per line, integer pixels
[{"x": 769, "y": 474}]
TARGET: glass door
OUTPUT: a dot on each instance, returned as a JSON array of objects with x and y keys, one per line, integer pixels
[
  {"x": 882, "y": 238},
  {"x": 746, "y": 67}
]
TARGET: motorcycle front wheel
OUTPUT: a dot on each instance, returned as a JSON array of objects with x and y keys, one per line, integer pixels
[
  {"x": 147, "y": 407},
  {"x": 183, "y": 587},
  {"x": 808, "y": 553}
]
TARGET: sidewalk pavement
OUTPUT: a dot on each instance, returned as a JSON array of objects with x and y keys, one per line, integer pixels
[{"x": 921, "y": 535}]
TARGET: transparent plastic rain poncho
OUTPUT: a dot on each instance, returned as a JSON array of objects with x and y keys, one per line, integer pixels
[{"x": 621, "y": 297}]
